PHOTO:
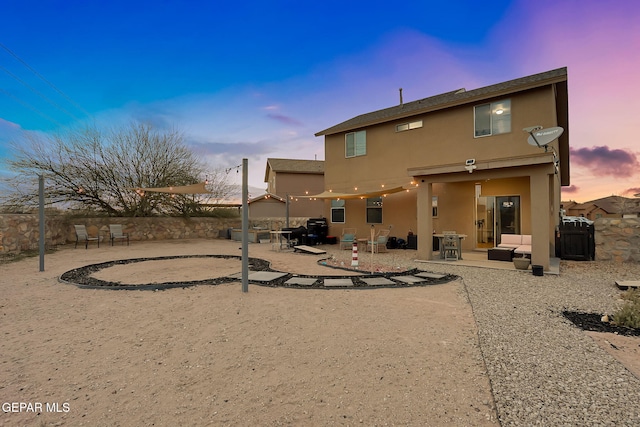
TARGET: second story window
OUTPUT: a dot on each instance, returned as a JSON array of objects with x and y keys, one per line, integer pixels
[
  {"x": 408, "y": 126},
  {"x": 356, "y": 144},
  {"x": 493, "y": 118}
]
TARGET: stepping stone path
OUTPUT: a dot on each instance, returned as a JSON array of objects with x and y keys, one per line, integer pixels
[
  {"x": 260, "y": 276},
  {"x": 409, "y": 279},
  {"x": 431, "y": 275},
  {"x": 301, "y": 281},
  {"x": 378, "y": 281},
  {"x": 337, "y": 282}
]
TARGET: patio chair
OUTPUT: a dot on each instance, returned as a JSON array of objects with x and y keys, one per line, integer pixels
[
  {"x": 379, "y": 243},
  {"x": 450, "y": 247},
  {"x": 116, "y": 233},
  {"x": 83, "y": 236},
  {"x": 347, "y": 238}
]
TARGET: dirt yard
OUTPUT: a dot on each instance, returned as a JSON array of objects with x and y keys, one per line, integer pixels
[{"x": 212, "y": 355}]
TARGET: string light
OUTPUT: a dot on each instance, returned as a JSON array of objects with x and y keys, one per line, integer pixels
[{"x": 237, "y": 168}]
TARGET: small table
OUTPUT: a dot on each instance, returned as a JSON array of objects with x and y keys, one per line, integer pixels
[
  {"x": 500, "y": 254},
  {"x": 460, "y": 238},
  {"x": 362, "y": 245},
  {"x": 280, "y": 239}
]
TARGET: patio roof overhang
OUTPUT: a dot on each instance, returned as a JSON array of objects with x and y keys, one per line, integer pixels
[{"x": 500, "y": 168}]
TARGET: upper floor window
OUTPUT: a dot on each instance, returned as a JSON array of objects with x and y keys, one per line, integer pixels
[
  {"x": 408, "y": 126},
  {"x": 493, "y": 118},
  {"x": 356, "y": 144},
  {"x": 374, "y": 210}
]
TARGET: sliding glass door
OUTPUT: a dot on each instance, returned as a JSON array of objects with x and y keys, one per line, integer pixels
[{"x": 496, "y": 215}]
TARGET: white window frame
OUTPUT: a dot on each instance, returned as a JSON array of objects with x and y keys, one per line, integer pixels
[
  {"x": 402, "y": 127},
  {"x": 498, "y": 123},
  {"x": 355, "y": 144}
]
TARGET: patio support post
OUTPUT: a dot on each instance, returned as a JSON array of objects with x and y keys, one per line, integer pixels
[
  {"x": 425, "y": 221},
  {"x": 245, "y": 225},
  {"x": 540, "y": 218}
]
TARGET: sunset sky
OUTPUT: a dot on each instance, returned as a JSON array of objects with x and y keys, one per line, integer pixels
[{"x": 257, "y": 79}]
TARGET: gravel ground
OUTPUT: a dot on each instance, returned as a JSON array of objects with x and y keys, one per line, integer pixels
[{"x": 543, "y": 370}]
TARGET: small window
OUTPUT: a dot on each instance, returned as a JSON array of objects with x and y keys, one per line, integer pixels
[
  {"x": 337, "y": 211},
  {"x": 492, "y": 119},
  {"x": 434, "y": 206},
  {"x": 374, "y": 210},
  {"x": 408, "y": 126},
  {"x": 356, "y": 144}
]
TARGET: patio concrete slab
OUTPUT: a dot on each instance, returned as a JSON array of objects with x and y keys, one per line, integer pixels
[
  {"x": 431, "y": 275},
  {"x": 378, "y": 281},
  {"x": 409, "y": 279},
  {"x": 260, "y": 276},
  {"x": 338, "y": 282},
  {"x": 302, "y": 281},
  {"x": 265, "y": 276}
]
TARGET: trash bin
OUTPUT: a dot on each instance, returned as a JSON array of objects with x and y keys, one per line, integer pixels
[{"x": 537, "y": 270}]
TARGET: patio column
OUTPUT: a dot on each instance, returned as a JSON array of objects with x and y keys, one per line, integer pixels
[
  {"x": 425, "y": 221},
  {"x": 540, "y": 218}
]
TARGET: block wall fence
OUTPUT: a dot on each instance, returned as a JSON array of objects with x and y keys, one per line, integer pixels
[
  {"x": 20, "y": 232},
  {"x": 617, "y": 239}
]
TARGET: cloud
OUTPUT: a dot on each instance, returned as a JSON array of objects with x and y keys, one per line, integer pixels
[
  {"x": 631, "y": 191},
  {"x": 570, "y": 189},
  {"x": 233, "y": 149},
  {"x": 8, "y": 125},
  {"x": 284, "y": 119},
  {"x": 603, "y": 161}
]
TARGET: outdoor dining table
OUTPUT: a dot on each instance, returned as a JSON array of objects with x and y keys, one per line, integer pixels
[{"x": 441, "y": 238}]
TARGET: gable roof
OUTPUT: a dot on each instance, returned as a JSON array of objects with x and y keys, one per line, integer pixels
[
  {"x": 448, "y": 99},
  {"x": 294, "y": 166},
  {"x": 618, "y": 204},
  {"x": 266, "y": 196}
]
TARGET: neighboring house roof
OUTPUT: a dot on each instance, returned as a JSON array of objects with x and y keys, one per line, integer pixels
[
  {"x": 294, "y": 166},
  {"x": 610, "y": 204},
  {"x": 268, "y": 196},
  {"x": 446, "y": 100},
  {"x": 617, "y": 204}
]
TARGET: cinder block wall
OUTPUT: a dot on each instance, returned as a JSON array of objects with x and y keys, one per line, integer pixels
[
  {"x": 20, "y": 232},
  {"x": 618, "y": 239}
]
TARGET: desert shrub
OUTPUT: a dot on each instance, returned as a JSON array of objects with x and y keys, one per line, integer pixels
[{"x": 629, "y": 314}]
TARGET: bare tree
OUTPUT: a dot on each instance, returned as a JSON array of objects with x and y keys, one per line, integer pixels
[{"x": 98, "y": 170}]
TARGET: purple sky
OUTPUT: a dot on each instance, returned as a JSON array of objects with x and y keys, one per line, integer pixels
[{"x": 257, "y": 80}]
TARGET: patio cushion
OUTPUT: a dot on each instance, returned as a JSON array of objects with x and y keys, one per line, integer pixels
[{"x": 510, "y": 240}]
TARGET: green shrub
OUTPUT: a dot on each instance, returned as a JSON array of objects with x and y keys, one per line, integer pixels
[{"x": 629, "y": 314}]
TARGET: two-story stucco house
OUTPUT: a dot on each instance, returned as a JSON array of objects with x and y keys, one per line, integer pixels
[
  {"x": 290, "y": 178},
  {"x": 456, "y": 161}
]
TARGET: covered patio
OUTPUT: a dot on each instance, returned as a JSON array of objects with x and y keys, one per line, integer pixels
[{"x": 478, "y": 258}]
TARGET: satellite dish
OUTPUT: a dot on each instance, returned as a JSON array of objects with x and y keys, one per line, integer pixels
[{"x": 542, "y": 137}]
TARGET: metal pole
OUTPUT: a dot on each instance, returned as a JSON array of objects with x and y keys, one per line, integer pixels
[
  {"x": 287, "y": 209},
  {"x": 373, "y": 233},
  {"x": 41, "y": 218},
  {"x": 245, "y": 226}
]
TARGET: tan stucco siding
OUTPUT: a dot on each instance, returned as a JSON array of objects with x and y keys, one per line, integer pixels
[{"x": 447, "y": 137}]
